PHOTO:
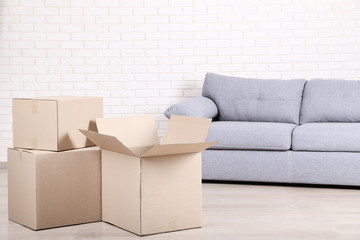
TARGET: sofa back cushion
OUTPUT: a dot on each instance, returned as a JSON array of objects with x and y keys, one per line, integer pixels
[
  {"x": 331, "y": 101},
  {"x": 254, "y": 100}
]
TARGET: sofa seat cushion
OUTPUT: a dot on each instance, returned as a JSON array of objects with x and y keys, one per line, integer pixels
[
  {"x": 327, "y": 137},
  {"x": 250, "y": 135}
]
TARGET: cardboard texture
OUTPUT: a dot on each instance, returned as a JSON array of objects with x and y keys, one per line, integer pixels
[
  {"x": 52, "y": 123},
  {"x": 148, "y": 187},
  {"x": 53, "y": 189}
]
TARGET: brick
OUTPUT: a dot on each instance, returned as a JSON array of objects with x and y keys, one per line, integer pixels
[
  {"x": 107, "y": 20},
  {"x": 21, "y": 10},
  {"x": 183, "y": 68},
  {"x": 83, "y": 19},
  {"x": 146, "y": 44},
  {"x": 31, "y": 52},
  {"x": 255, "y": 67},
  {"x": 121, "y": 11},
  {"x": 21, "y": 44},
  {"x": 55, "y": 3},
  {"x": 47, "y": 28},
  {"x": 107, "y": 52},
  {"x": 109, "y": 36},
  {"x": 95, "y": 44},
  {"x": 73, "y": 77},
  {"x": 146, "y": 60},
  {"x": 157, "y": 36},
  {"x": 132, "y": 36},
  {"x": 96, "y": 11},
  {"x": 72, "y": 28},
  {"x": 33, "y": 36},
  {"x": 31, "y": 3},
  {"x": 56, "y": 19},
  {"x": 158, "y": 68},
  {"x": 181, "y": 52},
  {"x": 146, "y": 11},
  {"x": 305, "y": 66},
  {"x": 60, "y": 69},
  {"x": 194, "y": 60},
  {"x": 194, "y": 10},
  {"x": 169, "y": 11},
  {"x": 86, "y": 85},
  {"x": 72, "y": 61},
  {"x": 181, "y": 35},
  {"x": 106, "y": 3},
  {"x": 47, "y": 61},
  {"x": 22, "y": 78},
  {"x": 72, "y": 44},
  {"x": 146, "y": 93},
  {"x": 35, "y": 69},
  {"x": 70, "y": 11},
  {"x": 119, "y": 60},
  {"x": 132, "y": 19},
  {"x": 181, "y": 19},
  {"x": 21, "y": 27},
  {"x": 136, "y": 101}
]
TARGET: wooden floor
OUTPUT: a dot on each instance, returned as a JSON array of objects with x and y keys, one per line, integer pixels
[{"x": 232, "y": 211}]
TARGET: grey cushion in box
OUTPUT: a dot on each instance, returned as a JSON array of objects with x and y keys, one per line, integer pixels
[
  {"x": 327, "y": 137},
  {"x": 331, "y": 101},
  {"x": 257, "y": 100},
  {"x": 250, "y": 135}
]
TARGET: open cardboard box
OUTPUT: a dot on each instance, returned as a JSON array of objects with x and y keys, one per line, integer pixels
[{"x": 148, "y": 187}]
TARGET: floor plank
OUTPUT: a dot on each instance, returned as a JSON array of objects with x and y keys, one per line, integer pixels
[{"x": 232, "y": 211}]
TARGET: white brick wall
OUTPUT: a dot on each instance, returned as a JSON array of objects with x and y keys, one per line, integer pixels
[{"x": 143, "y": 55}]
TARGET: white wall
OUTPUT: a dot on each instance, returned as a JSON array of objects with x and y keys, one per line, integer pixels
[{"x": 143, "y": 55}]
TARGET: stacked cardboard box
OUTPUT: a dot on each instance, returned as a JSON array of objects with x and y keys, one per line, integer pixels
[
  {"x": 54, "y": 176},
  {"x": 147, "y": 187}
]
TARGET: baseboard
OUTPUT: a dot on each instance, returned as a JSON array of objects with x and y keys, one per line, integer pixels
[{"x": 3, "y": 165}]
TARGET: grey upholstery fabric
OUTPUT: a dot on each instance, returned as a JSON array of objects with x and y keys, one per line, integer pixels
[
  {"x": 255, "y": 100},
  {"x": 339, "y": 168},
  {"x": 196, "y": 107},
  {"x": 327, "y": 137},
  {"x": 250, "y": 135},
  {"x": 237, "y": 165},
  {"x": 331, "y": 101}
]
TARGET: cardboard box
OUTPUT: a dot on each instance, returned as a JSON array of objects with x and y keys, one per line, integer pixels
[
  {"x": 53, "y": 189},
  {"x": 149, "y": 188},
  {"x": 52, "y": 123}
]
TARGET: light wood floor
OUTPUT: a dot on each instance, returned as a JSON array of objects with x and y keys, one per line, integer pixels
[{"x": 232, "y": 211}]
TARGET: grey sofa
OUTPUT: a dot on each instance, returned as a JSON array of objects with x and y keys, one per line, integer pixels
[{"x": 284, "y": 131}]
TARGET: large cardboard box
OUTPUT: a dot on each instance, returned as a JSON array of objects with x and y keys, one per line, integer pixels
[
  {"x": 53, "y": 189},
  {"x": 150, "y": 188},
  {"x": 52, "y": 123}
]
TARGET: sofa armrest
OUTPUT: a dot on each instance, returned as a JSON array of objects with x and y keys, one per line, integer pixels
[{"x": 195, "y": 107}]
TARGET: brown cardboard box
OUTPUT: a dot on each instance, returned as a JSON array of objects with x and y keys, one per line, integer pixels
[
  {"x": 150, "y": 188},
  {"x": 53, "y": 189},
  {"x": 52, "y": 123}
]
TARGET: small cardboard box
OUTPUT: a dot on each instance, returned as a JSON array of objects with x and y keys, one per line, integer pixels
[
  {"x": 149, "y": 188},
  {"x": 53, "y": 189},
  {"x": 52, "y": 123}
]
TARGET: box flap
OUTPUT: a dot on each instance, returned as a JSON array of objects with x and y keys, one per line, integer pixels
[
  {"x": 134, "y": 131},
  {"x": 172, "y": 149},
  {"x": 185, "y": 129},
  {"x": 107, "y": 142}
]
